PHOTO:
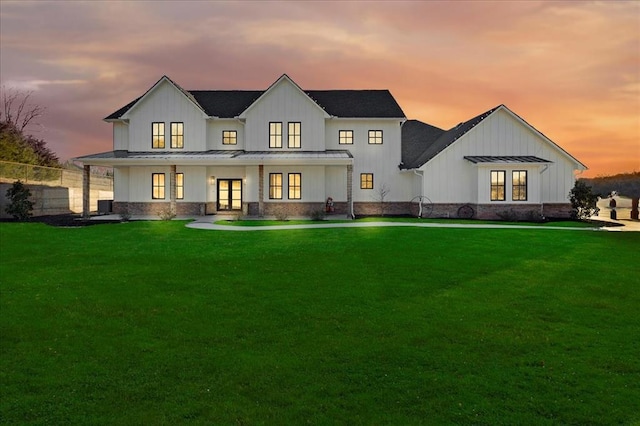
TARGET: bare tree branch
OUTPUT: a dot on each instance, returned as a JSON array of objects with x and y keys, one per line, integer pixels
[{"x": 24, "y": 113}]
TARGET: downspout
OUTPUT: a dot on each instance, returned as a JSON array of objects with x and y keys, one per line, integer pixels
[
  {"x": 546, "y": 166},
  {"x": 420, "y": 174}
]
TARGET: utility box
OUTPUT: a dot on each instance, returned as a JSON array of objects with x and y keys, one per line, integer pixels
[{"x": 105, "y": 206}]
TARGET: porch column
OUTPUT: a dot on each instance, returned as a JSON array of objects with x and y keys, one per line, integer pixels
[
  {"x": 261, "y": 190},
  {"x": 350, "y": 212},
  {"x": 86, "y": 191},
  {"x": 172, "y": 189}
]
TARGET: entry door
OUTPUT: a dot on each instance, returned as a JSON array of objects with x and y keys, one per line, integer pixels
[{"x": 229, "y": 194}]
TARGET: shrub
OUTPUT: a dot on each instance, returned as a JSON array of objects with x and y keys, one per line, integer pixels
[
  {"x": 318, "y": 214},
  {"x": 583, "y": 201},
  {"x": 19, "y": 205},
  {"x": 166, "y": 213},
  {"x": 125, "y": 214},
  {"x": 281, "y": 215}
]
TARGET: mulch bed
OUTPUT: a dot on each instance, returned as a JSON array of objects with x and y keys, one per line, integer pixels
[{"x": 64, "y": 220}]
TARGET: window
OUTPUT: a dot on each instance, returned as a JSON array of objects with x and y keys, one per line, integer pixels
[
  {"x": 179, "y": 186},
  {"x": 157, "y": 186},
  {"x": 366, "y": 180},
  {"x": 497, "y": 185},
  {"x": 229, "y": 137},
  {"x": 177, "y": 135},
  {"x": 157, "y": 139},
  {"x": 345, "y": 137},
  {"x": 275, "y": 186},
  {"x": 294, "y": 135},
  {"x": 275, "y": 135},
  {"x": 519, "y": 185},
  {"x": 295, "y": 186},
  {"x": 375, "y": 137}
]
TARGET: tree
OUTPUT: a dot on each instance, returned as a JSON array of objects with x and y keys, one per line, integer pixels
[
  {"x": 381, "y": 194},
  {"x": 15, "y": 145},
  {"x": 19, "y": 205},
  {"x": 583, "y": 201}
]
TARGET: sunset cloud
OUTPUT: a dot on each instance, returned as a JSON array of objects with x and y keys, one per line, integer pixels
[{"x": 571, "y": 69}]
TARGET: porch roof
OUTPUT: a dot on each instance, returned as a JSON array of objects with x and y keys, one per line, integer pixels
[{"x": 218, "y": 157}]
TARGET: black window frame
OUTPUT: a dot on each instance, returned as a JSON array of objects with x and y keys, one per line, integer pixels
[
  {"x": 291, "y": 187},
  {"x": 296, "y": 136},
  {"x": 180, "y": 186},
  {"x": 519, "y": 188},
  {"x": 274, "y": 136},
  {"x": 160, "y": 136},
  {"x": 373, "y": 136},
  {"x": 366, "y": 180},
  {"x": 230, "y": 138},
  {"x": 497, "y": 186},
  {"x": 160, "y": 188},
  {"x": 347, "y": 137},
  {"x": 178, "y": 136},
  {"x": 273, "y": 187}
]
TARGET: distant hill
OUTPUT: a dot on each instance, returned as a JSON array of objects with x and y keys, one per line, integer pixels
[{"x": 625, "y": 184}]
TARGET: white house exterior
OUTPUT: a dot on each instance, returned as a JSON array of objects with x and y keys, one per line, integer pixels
[{"x": 288, "y": 150}]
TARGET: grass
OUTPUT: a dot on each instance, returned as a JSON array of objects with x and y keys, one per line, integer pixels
[{"x": 155, "y": 323}]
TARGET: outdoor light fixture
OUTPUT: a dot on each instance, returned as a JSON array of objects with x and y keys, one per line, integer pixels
[{"x": 212, "y": 180}]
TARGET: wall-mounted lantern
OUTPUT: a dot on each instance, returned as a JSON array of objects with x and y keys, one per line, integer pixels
[{"x": 212, "y": 180}]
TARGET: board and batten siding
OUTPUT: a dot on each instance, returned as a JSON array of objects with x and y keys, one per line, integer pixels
[
  {"x": 284, "y": 103},
  {"x": 120, "y": 136},
  {"x": 449, "y": 178},
  {"x": 165, "y": 103},
  {"x": 215, "y": 127},
  {"x": 381, "y": 160}
]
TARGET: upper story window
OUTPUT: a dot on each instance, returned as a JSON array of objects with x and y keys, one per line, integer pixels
[
  {"x": 229, "y": 137},
  {"x": 180, "y": 186},
  {"x": 295, "y": 186},
  {"x": 366, "y": 180},
  {"x": 157, "y": 186},
  {"x": 497, "y": 185},
  {"x": 177, "y": 135},
  {"x": 345, "y": 137},
  {"x": 519, "y": 185},
  {"x": 375, "y": 137},
  {"x": 294, "y": 134},
  {"x": 275, "y": 186},
  {"x": 157, "y": 135},
  {"x": 275, "y": 134}
]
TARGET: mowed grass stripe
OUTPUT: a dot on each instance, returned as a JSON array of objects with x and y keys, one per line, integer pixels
[{"x": 152, "y": 322}]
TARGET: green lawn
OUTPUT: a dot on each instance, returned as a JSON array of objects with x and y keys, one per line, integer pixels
[{"x": 155, "y": 323}]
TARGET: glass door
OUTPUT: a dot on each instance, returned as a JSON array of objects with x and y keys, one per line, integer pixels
[{"x": 229, "y": 194}]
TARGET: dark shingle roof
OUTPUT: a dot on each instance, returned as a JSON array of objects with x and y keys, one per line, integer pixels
[
  {"x": 428, "y": 142},
  {"x": 338, "y": 103},
  {"x": 357, "y": 103}
]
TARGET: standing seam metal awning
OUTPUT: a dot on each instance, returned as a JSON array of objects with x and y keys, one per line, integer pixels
[{"x": 519, "y": 159}]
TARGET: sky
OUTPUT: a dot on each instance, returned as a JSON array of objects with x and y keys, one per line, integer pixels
[{"x": 570, "y": 69}]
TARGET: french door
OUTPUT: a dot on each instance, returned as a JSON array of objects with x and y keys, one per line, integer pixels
[{"x": 229, "y": 194}]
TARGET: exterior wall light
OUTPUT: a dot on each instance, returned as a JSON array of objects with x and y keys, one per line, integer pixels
[{"x": 212, "y": 180}]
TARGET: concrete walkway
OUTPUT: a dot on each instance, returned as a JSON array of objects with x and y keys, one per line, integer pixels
[{"x": 208, "y": 225}]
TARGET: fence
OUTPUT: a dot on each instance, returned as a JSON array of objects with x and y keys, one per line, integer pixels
[{"x": 54, "y": 190}]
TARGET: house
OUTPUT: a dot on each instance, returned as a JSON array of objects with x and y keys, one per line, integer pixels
[{"x": 286, "y": 150}]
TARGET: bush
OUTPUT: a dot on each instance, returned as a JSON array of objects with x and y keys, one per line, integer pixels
[
  {"x": 508, "y": 215},
  {"x": 318, "y": 214},
  {"x": 19, "y": 205},
  {"x": 281, "y": 215},
  {"x": 583, "y": 201},
  {"x": 125, "y": 214},
  {"x": 166, "y": 214}
]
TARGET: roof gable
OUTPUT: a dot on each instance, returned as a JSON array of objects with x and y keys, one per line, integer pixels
[
  {"x": 284, "y": 79},
  {"x": 124, "y": 112},
  {"x": 433, "y": 142}
]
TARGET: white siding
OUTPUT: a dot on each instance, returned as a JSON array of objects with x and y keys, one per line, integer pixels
[
  {"x": 215, "y": 128},
  {"x": 381, "y": 160},
  {"x": 121, "y": 184},
  {"x": 449, "y": 178},
  {"x": 140, "y": 188},
  {"x": 195, "y": 183},
  {"x": 284, "y": 103},
  {"x": 165, "y": 103},
  {"x": 335, "y": 183},
  {"x": 313, "y": 182},
  {"x": 120, "y": 136}
]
